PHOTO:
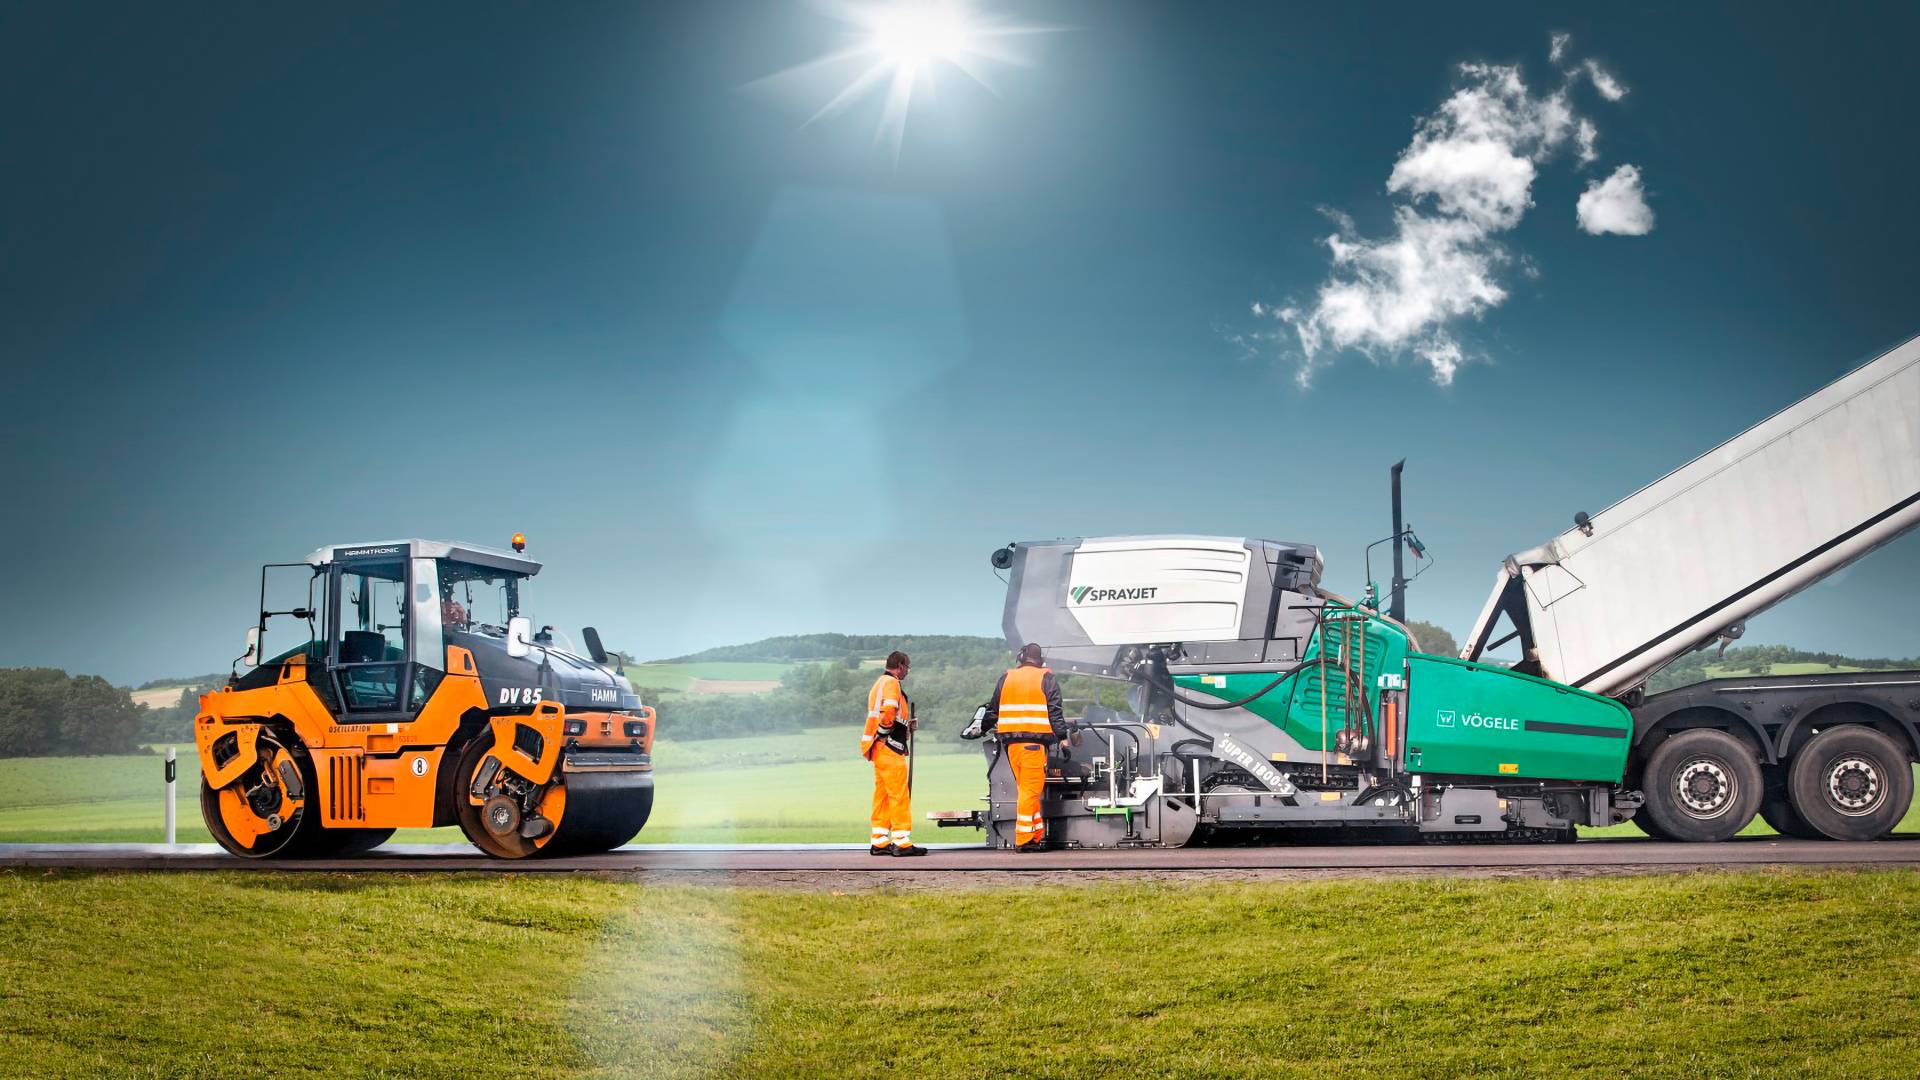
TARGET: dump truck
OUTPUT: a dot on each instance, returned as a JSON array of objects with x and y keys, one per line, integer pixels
[
  {"x": 418, "y": 694},
  {"x": 1261, "y": 701}
]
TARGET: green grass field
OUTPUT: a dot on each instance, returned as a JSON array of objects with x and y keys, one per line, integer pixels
[
  {"x": 804, "y": 787},
  {"x": 263, "y": 974},
  {"x": 1714, "y": 672}
]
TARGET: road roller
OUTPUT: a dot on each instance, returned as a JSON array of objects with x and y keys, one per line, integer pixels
[{"x": 414, "y": 691}]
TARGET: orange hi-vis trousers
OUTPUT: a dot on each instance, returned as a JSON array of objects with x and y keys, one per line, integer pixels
[
  {"x": 892, "y": 812},
  {"x": 1029, "y": 763}
]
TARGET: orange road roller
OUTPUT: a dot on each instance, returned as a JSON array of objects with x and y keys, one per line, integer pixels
[{"x": 413, "y": 691}]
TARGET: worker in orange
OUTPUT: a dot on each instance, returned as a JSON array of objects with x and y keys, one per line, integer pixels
[
  {"x": 885, "y": 743},
  {"x": 1025, "y": 711}
]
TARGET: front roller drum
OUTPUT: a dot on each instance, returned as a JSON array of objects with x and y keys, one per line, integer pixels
[{"x": 574, "y": 814}]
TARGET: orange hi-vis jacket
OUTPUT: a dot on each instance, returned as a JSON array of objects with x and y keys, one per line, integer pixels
[
  {"x": 1023, "y": 705},
  {"x": 887, "y": 713}
]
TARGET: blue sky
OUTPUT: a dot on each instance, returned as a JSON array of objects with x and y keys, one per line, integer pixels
[{"x": 279, "y": 276}]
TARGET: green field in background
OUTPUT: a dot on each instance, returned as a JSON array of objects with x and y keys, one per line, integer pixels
[
  {"x": 1714, "y": 672},
  {"x": 796, "y": 788},
  {"x": 801, "y": 787},
  {"x": 272, "y": 974}
]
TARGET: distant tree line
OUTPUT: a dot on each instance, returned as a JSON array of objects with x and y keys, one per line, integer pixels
[
  {"x": 46, "y": 712},
  {"x": 1759, "y": 660},
  {"x": 174, "y": 723},
  {"x": 1433, "y": 639},
  {"x": 938, "y": 648},
  {"x": 952, "y": 675}
]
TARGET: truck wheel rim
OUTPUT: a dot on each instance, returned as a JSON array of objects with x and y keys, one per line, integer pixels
[
  {"x": 1854, "y": 787},
  {"x": 1704, "y": 788}
]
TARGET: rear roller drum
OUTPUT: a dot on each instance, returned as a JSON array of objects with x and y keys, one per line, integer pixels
[
  {"x": 604, "y": 811},
  {"x": 494, "y": 824},
  {"x": 589, "y": 812},
  {"x": 263, "y": 814}
]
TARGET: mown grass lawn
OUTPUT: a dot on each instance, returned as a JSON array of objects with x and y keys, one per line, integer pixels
[{"x": 1742, "y": 974}]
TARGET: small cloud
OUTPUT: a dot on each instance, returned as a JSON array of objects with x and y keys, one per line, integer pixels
[
  {"x": 1610, "y": 88},
  {"x": 1616, "y": 205},
  {"x": 1586, "y": 136},
  {"x": 1558, "y": 47},
  {"x": 1445, "y": 358}
]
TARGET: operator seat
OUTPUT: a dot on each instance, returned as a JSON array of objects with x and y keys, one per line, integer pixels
[{"x": 362, "y": 647}]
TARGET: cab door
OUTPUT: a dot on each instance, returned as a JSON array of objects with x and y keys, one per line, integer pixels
[{"x": 370, "y": 647}]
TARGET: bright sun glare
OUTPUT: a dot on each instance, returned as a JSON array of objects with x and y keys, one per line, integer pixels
[
  {"x": 900, "y": 45},
  {"x": 912, "y": 34}
]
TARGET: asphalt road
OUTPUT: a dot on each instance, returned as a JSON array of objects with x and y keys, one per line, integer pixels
[{"x": 1589, "y": 856}]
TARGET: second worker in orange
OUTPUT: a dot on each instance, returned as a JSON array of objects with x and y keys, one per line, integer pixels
[{"x": 1026, "y": 713}]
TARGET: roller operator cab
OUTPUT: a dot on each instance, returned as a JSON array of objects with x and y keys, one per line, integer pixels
[{"x": 406, "y": 687}]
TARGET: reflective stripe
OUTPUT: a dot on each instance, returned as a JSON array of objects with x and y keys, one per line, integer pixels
[{"x": 1022, "y": 708}]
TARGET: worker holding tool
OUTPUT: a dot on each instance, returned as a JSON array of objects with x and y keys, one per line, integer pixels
[
  {"x": 1025, "y": 712},
  {"x": 888, "y": 743}
]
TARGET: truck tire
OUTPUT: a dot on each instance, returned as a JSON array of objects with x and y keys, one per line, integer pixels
[
  {"x": 1702, "y": 785},
  {"x": 1644, "y": 818},
  {"x": 1851, "y": 783},
  {"x": 1776, "y": 808}
]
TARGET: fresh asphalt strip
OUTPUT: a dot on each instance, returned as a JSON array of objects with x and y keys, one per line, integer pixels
[{"x": 1586, "y": 856}]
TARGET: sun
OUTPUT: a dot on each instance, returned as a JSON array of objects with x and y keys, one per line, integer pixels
[
  {"x": 912, "y": 34},
  {"x": 897, "y": 47}
]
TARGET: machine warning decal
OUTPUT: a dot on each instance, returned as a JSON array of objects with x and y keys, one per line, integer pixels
[
  {"x": 520, "y": 695},
  {"x": 1087, "y": 594},
  {"x": 419, "y": 766}
]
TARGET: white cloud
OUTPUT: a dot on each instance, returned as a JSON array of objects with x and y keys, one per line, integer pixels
[
  {"x": 1558, "y": 47},
  {"x": 1587, "y": 136},
  {"x": 1617, "y": 205},
  {"x": 1610, "y": 88},
  {"x": 1464, "y": 180},
  {"x": 1387, "y": 296}
]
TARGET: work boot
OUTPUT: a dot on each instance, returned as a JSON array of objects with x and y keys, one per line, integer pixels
[
  {"x": 880, "y": 849},
  {"x": 1025, "y": 849},
  {"x": 908, "y": 851}
]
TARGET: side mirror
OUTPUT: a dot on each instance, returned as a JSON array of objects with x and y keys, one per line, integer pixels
[
  {"x": 518, "y": 628},
  {"x": 595, "y": 650},
  {"x": 251, "y": 657}
]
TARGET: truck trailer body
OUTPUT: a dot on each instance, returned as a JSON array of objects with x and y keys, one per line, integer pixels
[{"x": 1692, "y": 556}]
